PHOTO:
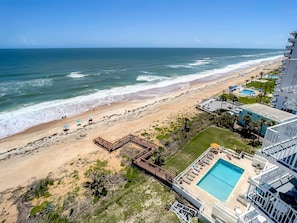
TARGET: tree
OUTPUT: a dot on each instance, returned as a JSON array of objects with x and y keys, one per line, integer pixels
[
  {"x": 247, "y": 124},
  {"x": 222, "y": 97},
  {"x": 235, "y": 118},
  {"x": 261, "y": 122},
  {"x": 262, "y": 75},
  {"x": 158, "y": 157},
  {"x": 233, "y": 98}
]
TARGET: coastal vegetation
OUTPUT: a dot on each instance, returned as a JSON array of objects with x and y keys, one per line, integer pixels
[{"x": 99, "y": 193}]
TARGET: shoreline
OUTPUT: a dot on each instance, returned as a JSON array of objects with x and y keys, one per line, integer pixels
[
  {"x": 41, "y": 149},
  {"x": 20, "y": 120}
]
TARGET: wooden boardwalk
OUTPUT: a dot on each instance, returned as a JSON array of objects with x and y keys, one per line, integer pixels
[{"x": 140, "y": 159}]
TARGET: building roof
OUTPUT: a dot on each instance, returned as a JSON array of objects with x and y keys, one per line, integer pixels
[{"x": 268, "y": 112}]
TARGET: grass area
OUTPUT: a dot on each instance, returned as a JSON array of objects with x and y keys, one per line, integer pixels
[
  {"x": 136, "y": 204},
  {"x": 247, "y": 100},
  {"x": 198, "y": 144},
  {"x": 268, "y": 86}
]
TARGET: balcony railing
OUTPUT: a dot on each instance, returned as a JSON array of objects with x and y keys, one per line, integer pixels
[
  {"x": 280, "y": 145},
  {"x": 291, "y": 40},
  {"x": 289, "y": 47},
  {"x": 288, "y": 54},
  {"x": 281, "y": 132},
  {"x": 251, "y": 216},
  {"x": 283, "y": 153},
  {"x": 265, "y": 195}
]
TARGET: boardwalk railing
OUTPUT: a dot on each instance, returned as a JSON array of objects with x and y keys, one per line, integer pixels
[{"x": 139, "y": 159}]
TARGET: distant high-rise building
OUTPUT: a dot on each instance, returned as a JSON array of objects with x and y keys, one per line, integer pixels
[{"x": 285, "y": 92}]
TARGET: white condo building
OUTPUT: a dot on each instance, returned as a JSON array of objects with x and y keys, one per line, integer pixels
[
  {"x": 273, "y": 193},
  {"x": 285, "y": 92}
]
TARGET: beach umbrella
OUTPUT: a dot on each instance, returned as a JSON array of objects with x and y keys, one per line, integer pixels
[
  {"x": 215, "y": 145},
  {"x": 90, "y": 118},
  {"x": 79, "y": 121}
]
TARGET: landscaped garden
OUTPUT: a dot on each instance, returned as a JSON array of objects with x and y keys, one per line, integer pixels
[{"x": 198, "y": 144}]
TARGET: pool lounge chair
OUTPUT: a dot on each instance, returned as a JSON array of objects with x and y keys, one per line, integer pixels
[
  {"x": 190, "y": 177},
  {"x": 206, "y": 161},
  {"x": 209, "y": 157},
  {"x": 186, "y": 181},
  {"x": 195, "y": 167},
  {"x": 211, "y": 154},
  {"x": 195, "y": 172},
  {"x": 201, "y": 163},
  {"x": 191, "y": 174}
]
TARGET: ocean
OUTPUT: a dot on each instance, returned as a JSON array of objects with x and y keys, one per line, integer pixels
[{"x": 42, "y": 85}]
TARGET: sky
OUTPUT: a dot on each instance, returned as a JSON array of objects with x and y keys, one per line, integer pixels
[{"x": 147, "y": 23}]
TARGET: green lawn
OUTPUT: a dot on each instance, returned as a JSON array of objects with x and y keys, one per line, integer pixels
[{"x": 198, "y": 144}]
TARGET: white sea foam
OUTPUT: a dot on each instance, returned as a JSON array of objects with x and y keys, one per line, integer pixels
[
  {"x": 200, "y": 62},
  {"x": 16, "y": 121},
  {"x": 109, "y": 71},
  {"x": 16, "y": 86},
  {"x": 150, "y": 78},
  {"x": 146, "y": 72},
  {"x": 76, "y": 74},
  {"x": 175, "y": 66}
]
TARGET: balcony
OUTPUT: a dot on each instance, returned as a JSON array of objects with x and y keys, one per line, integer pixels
[
  {"x": 280, "y": 145},
  {"x": 291, "y": 40},
  {"x": 273, "y": 100},
  {"x": 283, "y": 153},
  {"x": 252, "y": 216},
  {"x": 270, "y": 193},
  {"x": 289, "y": 47},
  {"x": 294, "y": 34},
  {"x": 288, "y": 54}
]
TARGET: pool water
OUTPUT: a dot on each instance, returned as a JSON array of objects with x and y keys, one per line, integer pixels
[
  {"x": 221, "y": 179},
  {"x": 247, "y": 92}
]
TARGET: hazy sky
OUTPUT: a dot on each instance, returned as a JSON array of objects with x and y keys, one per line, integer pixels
[{"x": 147, "y": 23}]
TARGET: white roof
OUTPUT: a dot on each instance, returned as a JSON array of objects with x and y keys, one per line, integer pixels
[{"x": 269, "y": 112}]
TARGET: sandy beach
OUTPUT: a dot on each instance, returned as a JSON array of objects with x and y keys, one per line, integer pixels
[{"x": 44, "y": 149}]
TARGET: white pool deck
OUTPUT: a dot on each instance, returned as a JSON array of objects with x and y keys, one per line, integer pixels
[{"x": 240, "y": 188}]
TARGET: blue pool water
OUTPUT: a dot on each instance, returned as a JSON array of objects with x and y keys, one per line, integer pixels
[
  {"x": 220, "y": 180},
  {"x": 247, "y": 92}
]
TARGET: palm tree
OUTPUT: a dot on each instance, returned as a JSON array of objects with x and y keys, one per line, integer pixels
[
  {"x": 247, "y": 123},
  {"x": 254, "y": 127},
  {"x": 222, "y": 97},
  {"x": 235, "y": 118},
  {"x": 262, "y": 122},
  {"x": 233, "y": 98},
  {"x": 271, "y": 123}
]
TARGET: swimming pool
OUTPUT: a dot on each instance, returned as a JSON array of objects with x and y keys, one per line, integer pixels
[
  {"x": 247, "y": 92},
  {"x": 221, "y": 179}
]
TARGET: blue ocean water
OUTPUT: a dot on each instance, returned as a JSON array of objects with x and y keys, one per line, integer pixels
[{"x": 41, "y": 85}]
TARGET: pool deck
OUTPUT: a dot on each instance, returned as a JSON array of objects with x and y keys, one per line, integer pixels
[{"x": 240, "y": 188}]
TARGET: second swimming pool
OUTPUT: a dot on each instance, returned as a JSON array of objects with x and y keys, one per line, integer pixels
[
  {"x": 220, "y": 180},
  {"x": 247, "y": 92}
]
